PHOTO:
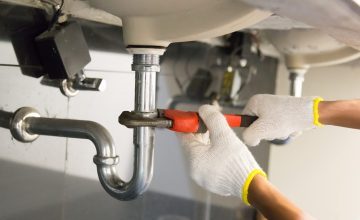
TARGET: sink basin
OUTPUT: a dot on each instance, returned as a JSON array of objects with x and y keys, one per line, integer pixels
[{"x": 161, "y": 22}]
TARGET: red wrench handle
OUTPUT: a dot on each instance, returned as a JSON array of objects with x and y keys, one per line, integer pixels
[{"x": 190, "y": 122}]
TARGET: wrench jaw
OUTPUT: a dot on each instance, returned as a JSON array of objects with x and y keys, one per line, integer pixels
[
  {"x": 178, "y": 121},
  {"x": 175, "y": 120},
  {"x": 136, "y": 119}
]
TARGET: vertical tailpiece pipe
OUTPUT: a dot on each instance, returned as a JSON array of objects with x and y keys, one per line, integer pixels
[{"x": 296, "y": 81}]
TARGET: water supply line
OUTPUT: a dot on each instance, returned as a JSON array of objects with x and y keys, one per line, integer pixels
[{"x": 26, "y": 125}]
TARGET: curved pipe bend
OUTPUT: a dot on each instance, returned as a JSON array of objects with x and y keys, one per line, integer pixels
[{"x": 105, "y": 159}]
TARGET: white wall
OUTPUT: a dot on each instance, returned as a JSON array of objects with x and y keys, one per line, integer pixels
[{"x": 320, "y": 169}]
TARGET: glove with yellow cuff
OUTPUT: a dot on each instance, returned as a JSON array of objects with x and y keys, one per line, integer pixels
[
  {"x": 280, "y": 117},
  {"x": 219, "y": 161}
]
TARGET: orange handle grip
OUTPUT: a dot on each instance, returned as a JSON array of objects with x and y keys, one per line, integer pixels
[
  {"x": 233, "y": 120},
  {"x": 190, "y": 122},
  {"x": 187, "y": 122}
]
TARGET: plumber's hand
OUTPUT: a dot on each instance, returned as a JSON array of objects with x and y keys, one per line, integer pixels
[
  {"x": 219, "y": 161},
  {"x": 279, "y": 117}
]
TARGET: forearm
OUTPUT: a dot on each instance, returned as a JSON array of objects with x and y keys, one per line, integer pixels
[
  {"x": 340, "y": 113},
  {"x": 270, "y": 202}
]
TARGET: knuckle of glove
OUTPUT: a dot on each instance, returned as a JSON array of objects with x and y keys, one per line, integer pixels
[
  {"x": 251, "y": 106},
  {"x": 211, "y": 115},
  {"x": 251, "y": 141},
  {"x": 205, "y": 110}
]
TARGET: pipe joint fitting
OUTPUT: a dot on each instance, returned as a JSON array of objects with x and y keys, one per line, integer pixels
[
  {"x": 146, "y": 63},
  {"x": 18, "y": 126},
  {"x": 105, "y": 161},
  {"x": 145, "y": 68}
]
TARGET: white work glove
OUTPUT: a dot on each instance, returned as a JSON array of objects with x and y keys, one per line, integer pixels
[
  {"x": 219, "y": 161},
  {"x": 280, "y": 117}
]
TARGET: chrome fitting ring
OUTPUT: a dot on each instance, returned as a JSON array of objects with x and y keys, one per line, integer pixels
[
  {"x": 66, "y": 88},
  {"x": 145, "y": 67},
  {"x": 18, "y": 127},
  {"x": 106, "y": 161}
]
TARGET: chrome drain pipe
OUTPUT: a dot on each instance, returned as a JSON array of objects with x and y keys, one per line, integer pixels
[
  {"x": 146, "y": 67},
  {"x": 26, "y": 124},
  {"x": 296, "y": 81}
]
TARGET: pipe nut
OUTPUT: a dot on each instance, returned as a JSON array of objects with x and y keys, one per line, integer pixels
[
  {"x": 67, "y": 89},
  {"x": 145, "y": 67},
  {"x": 107, "y": 161},
  {"x": 18, "y": 126}
]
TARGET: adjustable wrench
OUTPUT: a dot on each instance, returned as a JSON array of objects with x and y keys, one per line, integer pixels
[{"x": 179, "y": 121}]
